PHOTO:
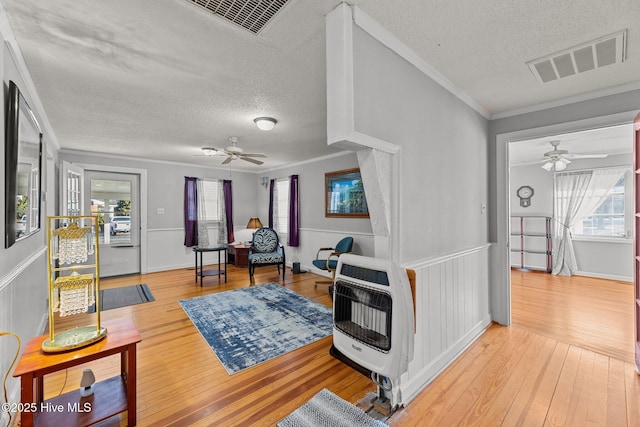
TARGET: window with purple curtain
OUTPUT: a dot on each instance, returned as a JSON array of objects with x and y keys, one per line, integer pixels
[
  {"x": 294, "y": 220},
  {"x": 190, "y": 211},
  {"x": 272, "y": 185},
  {"x": 228, "y": 206}
]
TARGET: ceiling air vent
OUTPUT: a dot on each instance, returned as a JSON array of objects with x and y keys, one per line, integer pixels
[
  {"x": 585, "y": 57},
  {"x": 252, "y": 15}
]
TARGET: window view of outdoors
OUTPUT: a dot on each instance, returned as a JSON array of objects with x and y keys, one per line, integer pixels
[
  {"x": 608, "y": 218},
  {"x": 111, "y": 203}
]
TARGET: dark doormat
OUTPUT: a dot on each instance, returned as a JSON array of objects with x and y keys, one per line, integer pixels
[{"x": 122, "y": 297}]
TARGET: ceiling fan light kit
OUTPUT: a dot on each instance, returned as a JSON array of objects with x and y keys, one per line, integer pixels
[
  {"x": 557, "y": 160},
  {"x": 209, "y": 151},
  {"x": 265, "y": 123}
]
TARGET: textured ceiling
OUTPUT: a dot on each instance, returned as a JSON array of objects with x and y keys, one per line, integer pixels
[
  {"x": 161, "y": 78},
  {"x": 611, "y": 141}
]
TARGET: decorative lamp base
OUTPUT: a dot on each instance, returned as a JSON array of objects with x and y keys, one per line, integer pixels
[{"x": 73, "y": 338}]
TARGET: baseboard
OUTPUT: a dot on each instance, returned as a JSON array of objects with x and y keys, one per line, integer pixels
[
  {"x": 604, "y": 276},
  {"x": 427, "y": 374}
]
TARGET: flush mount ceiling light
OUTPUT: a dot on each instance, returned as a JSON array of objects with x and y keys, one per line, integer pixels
[
  {"x": 265, "y": 123},
  {"x": 209, "y": 151}
]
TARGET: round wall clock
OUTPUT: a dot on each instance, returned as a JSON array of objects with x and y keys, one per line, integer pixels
[{"x": 524, "y": 193}]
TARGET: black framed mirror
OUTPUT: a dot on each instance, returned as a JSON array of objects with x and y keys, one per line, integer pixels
[{"x": 23, "y": 168}]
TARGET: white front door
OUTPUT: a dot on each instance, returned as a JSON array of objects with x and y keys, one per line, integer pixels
[{"x": 115, "y": 198}]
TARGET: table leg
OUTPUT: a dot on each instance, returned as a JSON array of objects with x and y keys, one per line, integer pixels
[
  {"x": 226, "y": 258},
  {"x": 132, "y": 388},
  {"x": 26, "y": 397},
  {"x": 219, "y": 266},
  {"x": 201, "y": 268},
  {"x": 196, "y": 269}
]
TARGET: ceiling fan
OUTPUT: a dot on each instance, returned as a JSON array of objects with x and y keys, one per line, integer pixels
[
  {"x": 558, "y": 160},
  {"x": 233, "y": 152}
]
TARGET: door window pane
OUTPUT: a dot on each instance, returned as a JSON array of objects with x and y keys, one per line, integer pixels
[{"x": 111, "y": 202}]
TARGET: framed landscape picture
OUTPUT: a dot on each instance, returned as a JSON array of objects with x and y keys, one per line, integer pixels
[{"x": 344, "y": 195}]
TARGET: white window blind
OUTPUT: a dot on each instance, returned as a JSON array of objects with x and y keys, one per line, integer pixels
[
  {"x": 282, "y": 206},
  {"x": 211, "y": 200}
]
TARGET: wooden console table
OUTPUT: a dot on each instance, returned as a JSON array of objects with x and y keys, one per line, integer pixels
[
  {"x": 239, "y": 255},
  {"x": 111, "y": 396}
]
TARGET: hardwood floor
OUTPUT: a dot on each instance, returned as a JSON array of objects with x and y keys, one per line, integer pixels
[
  {"x": 566, "y": 360},
  {"x": 528, "y": 374}
]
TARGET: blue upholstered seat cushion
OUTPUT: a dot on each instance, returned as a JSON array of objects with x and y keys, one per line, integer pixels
[{"x": 322, "y": 264}]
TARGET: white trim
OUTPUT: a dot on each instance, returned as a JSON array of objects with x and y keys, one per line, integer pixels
[
  {"x": 316, "y": 230},
  {"x": 416, "y": 384},
  {"x": 602, "y": 239},
  {"x": 375, "y": 30},
  {"x": 605, "y": 276},
  {"x": 568, "y": 100},
  {"x": 427, "y": 262},
  {"x": 363, "y": 140},
  {"x": 304, "y": 162},
  {"x": 143, "y": 203},
  {"x": 21, "y": 267},
  {"x": 191, "y": 165},
  {"x": 339, "y": 54},
  {"x": 152, "y": 230}
]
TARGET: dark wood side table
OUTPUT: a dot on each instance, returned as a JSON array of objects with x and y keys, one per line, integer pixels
[
  {"x": 111, "y": 396},
  {"x": 200, "y": 272},
  {"x": 239, "y": 255}
]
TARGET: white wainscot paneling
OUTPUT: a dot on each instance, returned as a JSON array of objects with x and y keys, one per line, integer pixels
[
  {"x": 23, "y": 311},
  {"x": 452, "y": 310},
  {"x": 312, "y": 239},
  {"x": 167, "y": 250}
]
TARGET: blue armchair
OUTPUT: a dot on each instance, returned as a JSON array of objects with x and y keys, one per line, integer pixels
[
  {"x": 266, "y": 249},
  {"x": 331, "y": 262}
]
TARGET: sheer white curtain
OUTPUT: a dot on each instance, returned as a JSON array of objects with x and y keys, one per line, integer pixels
[
  {"x": 203, "y": 233},
  {"x": 577, "y": 194},
  {"x": 222, "y": 215},
  {"x": 276, "y": 217}
]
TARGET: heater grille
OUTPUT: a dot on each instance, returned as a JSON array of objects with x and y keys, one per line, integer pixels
[
  {"x": 364, "y": 314},
  {"x": 252, "y": 15},
  {"x": 598, "y": 53}
]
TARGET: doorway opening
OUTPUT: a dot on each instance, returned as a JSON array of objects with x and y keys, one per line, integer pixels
[{"x": 600, "y": 234}]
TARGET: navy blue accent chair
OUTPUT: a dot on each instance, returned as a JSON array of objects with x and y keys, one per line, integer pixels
[
  {"x": 330, "y": 263},
  {"x": 266, "y": 249}
]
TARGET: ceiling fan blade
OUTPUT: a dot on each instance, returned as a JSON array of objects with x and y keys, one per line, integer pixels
[
  {"x": 254, "y": 154},
  {"x": 563, "y": 160},
  {"x": 227, "y": 160},
  {"x": 587, "y": 156},
  {"x": 250, "y": 160}
]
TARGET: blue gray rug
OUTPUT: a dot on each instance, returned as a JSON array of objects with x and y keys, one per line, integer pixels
[
  {"x": 123, "y": 297},
  {"x": 248, "y": 326}
]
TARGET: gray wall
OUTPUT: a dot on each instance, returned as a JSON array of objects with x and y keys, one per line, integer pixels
[
  {"x": 166, "y": 186},
  {"x": 443, "y": 150},
  {"x": 599, "y": 107},
  {"x": 317, "y": 231},
  {"x": 313, "y": 193},
  {"x": 23, "y": 273},
  {"x": 609, "y": 259}
]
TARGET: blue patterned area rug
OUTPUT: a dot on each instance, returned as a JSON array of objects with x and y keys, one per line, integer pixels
[{"x": 248, "y": 326}]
